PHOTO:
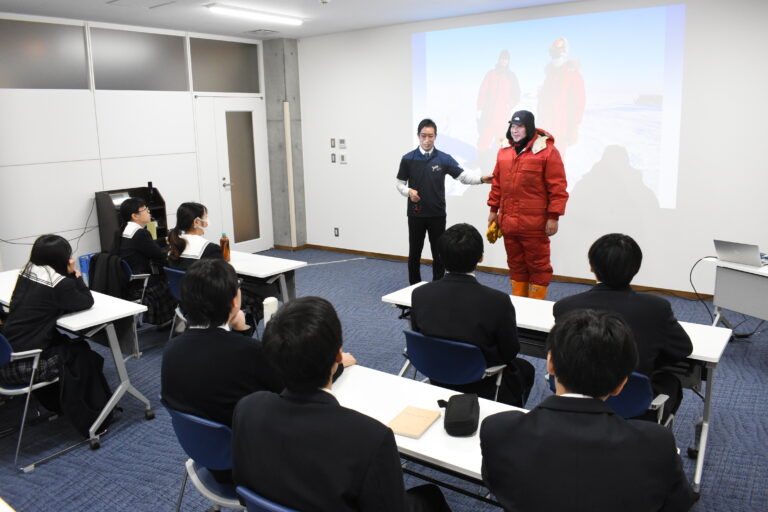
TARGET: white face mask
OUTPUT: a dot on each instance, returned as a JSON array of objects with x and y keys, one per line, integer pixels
[{"x": 204, "y": 223}]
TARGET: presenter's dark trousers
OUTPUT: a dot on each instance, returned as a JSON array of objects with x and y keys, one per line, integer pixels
[{"x": 417, "y": 228}]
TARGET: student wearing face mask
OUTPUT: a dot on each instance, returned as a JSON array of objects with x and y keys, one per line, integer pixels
[
  {"x": 187, "y": 245},
  {"x": 186, "y": 242}
]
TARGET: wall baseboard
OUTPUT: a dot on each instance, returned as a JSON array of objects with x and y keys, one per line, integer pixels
[{"x": 496, "y": 270}]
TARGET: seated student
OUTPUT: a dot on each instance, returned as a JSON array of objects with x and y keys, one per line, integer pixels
[
  {"x": 461, "y": 309},
  {"x": 47, "y": 288},
  {"x": 661, "y": 340},
  {"x": 215, "y": 363},
  {"x": 572, "y": 452},
  {"x": 187, "y": 245},
  {"x": 135, "y": 245},
  {"x": 302, "y": 449},
  {"x": 185, "y": 241}
]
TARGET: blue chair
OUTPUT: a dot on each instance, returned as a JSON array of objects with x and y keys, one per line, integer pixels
[
  {"x": 446, "y": 361},
  {"x": 256, "y": 503},
  {"x": 174, "y": 283},
  {"x": 7, "y": 355},
  {"x": 135, "y": 277},
  {"x": 635, "y": 399},
  {"x": 209, "y": 446}
]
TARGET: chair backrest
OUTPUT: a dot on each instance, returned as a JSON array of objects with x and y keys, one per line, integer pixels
[
  {"x": 446, "y": 361},
  {"x": 634, "y": 399},
  {"x": 206, "y": 442},
  {"x": 5, "y": 351},
  {"x": 174, "y": 281},
  {"x": 256, "y": 503},
  {"x": 127, "y": 269}
]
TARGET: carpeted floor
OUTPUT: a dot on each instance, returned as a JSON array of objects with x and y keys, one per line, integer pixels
[{"x": 140, "y": 464}]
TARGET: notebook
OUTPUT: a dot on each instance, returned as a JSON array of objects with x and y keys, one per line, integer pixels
[{"x": 413, "y": 422}]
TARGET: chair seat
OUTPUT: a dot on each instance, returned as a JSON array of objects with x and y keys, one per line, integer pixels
[{"x": 222, "y": 494}]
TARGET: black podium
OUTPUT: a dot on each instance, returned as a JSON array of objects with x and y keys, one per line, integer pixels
[{"x": 108, "y": 211}]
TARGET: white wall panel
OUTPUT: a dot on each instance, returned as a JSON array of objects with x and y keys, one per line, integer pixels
[
  {"x": 47, "y": 198},
  {"x": 138, "y": 123},
  {"x": 41, "y": 125},
  {"x": 16, "y": 255},
  {"x": 175, "y": 176}
]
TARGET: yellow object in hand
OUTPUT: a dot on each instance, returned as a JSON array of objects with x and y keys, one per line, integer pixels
[{"x": 494, "y": 233}]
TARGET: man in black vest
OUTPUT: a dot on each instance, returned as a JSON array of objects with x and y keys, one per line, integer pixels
[{"x": 421, "y": 178}]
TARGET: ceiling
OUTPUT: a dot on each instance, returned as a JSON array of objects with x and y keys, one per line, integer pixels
[{"x": 319, "y": 18}]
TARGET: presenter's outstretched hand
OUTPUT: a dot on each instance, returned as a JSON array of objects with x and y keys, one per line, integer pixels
[
  {"x": 487, "y": 178},
  {"x": 492, "y": 218},
  {"x": 551, "y": 227},
  {"x": 414, "y": 195}
]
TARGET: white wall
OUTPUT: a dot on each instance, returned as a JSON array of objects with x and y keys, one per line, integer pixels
[
  {"x": 357, "y": 86},
  {"x": 57, "y": 148}
]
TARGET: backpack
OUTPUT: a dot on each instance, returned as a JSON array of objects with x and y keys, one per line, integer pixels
[{"x": 83, "y": 387}]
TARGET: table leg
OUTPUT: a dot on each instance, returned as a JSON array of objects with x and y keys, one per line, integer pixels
[
  {"x": 287, "y": 286},
  {"x": 704, "y": 430},
  {"x": 124, "y": 386}
]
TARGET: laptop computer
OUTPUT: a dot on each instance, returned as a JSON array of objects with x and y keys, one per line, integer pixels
[{"x": 734, "y": 252}]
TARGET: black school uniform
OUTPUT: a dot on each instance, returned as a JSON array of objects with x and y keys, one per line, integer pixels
[{"x": 144, "y": 256}]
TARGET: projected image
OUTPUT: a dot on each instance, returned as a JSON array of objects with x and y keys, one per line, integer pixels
[{"x": 602, "y": 84}]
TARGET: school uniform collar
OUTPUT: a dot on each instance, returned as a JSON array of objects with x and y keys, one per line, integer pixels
[
  {"x": 602, "y": 287},
  {"x": 130, "y": 229},
  {"x": 44, "y": 275},
  {"x": 578, "y": 405},
  {"x": 317, "y": 396},
  {"x": 195, "y": 247}
]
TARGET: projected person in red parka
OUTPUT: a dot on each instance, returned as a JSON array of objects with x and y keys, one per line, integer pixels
[
  {"x": 527, "y": 198},
  {"x": 562, "y": 97},
  {"x": 499, "y": 93}
]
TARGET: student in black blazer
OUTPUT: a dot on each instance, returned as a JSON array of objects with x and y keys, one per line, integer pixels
[
  {"x": 572, "y": 452},
  {"x": 661, "y": 340},
  {"x": 215, "y": 363},
  {"x": 459, "y": 308},
  {"x": 301, "y": 448}
]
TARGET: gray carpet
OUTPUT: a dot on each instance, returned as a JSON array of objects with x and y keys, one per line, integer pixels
[{"x": 140, "y": 465}]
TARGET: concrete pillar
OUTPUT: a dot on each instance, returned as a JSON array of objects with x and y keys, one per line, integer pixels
[{"x": 281, "y": 79}]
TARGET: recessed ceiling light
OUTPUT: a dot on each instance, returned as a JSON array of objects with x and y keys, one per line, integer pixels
[{"x": 254, "y": 15}]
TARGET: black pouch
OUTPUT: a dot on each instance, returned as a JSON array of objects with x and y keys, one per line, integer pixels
[{"x": 462, "y": 414}]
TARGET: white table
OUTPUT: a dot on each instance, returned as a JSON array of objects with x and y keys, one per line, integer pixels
[
  {"x": 383, "y": 396},
  {"x": 269, "y": 268},
  {"x": 740, "y": 288},
  {"x": 535, "y": 320},
  {"x": 101, "y": 315}
]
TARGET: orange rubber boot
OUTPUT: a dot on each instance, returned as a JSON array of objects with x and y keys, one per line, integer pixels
[
  {"x": 538, "y": 291},
  {"x": 519, "y": 288}
]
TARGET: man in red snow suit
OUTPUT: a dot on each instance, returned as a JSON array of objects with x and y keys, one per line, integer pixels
[
  {"x": 528, "y": 196},
  {"x": 562, "y": 97}
]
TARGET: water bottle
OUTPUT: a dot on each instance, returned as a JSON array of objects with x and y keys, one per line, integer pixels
[{"x": 224, "y": 243}]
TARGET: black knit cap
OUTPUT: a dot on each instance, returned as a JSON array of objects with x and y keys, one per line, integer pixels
[{"x": 523, "y": 118}]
